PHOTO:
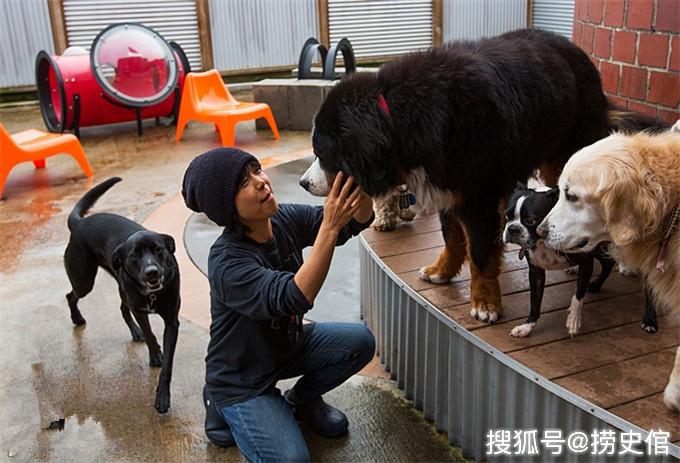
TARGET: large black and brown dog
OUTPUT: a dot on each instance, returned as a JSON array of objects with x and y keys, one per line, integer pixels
[
  {"x": 143, "y": 264},
  {"x": 458, "y": 125}
]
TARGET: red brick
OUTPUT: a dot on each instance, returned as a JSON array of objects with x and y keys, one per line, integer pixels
[
  {"x": 640, "y": 14},
  {"x": 642, "y": 108},
  {"x": 576, "y": 33},
  {"x": 595, "y": 11},
  {"x": 582, "y": 9},
  {"x": 674, "y": 63},
  {"x": 653, "y": 50},
  {"x": 668, "y": 16},
  {"x": 603, "y": 42},
  {"x": 587, "y": 40},
  {"x": 613, "y": 13},
  {"x": 620, "y": 103},
  {"x": 610, "y": 77},
  {"x": 624, "y": 46},
  {"x": 664, "y": 88},
  {"x": 633, "y": 82},
  {"x": 669, "y": 117}
]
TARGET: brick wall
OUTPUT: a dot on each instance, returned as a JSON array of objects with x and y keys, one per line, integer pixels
[{"x": 636, "y": 46}]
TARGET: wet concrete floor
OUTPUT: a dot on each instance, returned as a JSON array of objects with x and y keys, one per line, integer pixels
[{"x": 94, "y": 377}]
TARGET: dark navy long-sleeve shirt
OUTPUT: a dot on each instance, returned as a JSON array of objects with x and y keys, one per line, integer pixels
[{"x": 255, "y": 303}]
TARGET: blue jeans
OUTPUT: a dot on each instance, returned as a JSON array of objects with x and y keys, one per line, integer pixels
[{"x": 264, "y": 427}]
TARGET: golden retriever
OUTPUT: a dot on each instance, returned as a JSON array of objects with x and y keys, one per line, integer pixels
[{"x": 624, "y": 189}]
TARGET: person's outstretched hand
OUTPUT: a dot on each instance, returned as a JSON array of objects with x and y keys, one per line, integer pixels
[{"x": 341, "y": 205}]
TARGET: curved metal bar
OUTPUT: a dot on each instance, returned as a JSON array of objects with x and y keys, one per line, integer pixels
[
  {"x": 307, "y": 54},
  {"x": 43, "y": 63},
  {"x": 345, "y": 47}
]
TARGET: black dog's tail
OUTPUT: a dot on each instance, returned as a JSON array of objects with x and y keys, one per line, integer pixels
[
  {"x": 88, "y": 200},
  {"x": 629, "y": 122}
]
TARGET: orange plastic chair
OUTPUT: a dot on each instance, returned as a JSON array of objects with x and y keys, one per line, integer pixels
[
  {"x": 205, "y": 98},
  {"x": 35, "y": 145}
]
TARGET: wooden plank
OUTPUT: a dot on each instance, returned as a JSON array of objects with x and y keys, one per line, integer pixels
[
  {"x": 422, "y": 224},
  {"x": 625, "y": 381},
  {"x": 412, "y": 260},
  {"x": 56, "y": 8},
  {"x": 511, "y": 282},
  {"x": 571, "y": 356},
  {"x": 437, "y": 22},
  {"x": 409, "y": 244},
  {"x": 322, "y": 15},
  {"x": 597, "y": 316},
  {"x": 204, "y": 34},
  {"x": 651, "y": 413}
]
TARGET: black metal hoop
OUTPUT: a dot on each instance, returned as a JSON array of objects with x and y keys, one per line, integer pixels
[
  {"x": 309, "y": 50},
  {"x": 345, "y": 47}
]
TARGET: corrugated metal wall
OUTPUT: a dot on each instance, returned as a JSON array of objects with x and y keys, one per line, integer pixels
[
  {"x": 173, "y": 19},
  {"x": 474, "y": 19},
  {"x": 554, "y": 15},
  {"x": 24, "y": 30},
  {"x": 381, "y": 27},
  {"x": 264, "y": 33},
  {"x": 462, "y": 384}
]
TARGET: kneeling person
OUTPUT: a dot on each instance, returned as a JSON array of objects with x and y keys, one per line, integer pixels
[{"x": 260, "y": 288}]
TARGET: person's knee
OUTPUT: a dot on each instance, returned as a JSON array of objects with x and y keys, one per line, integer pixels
[{"x": 365, "y": 345}]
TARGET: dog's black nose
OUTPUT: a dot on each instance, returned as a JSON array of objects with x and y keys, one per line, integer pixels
[
  {"x": 513, "y": 229},
  {"x": 304, "y": 184},
  {"x": 151, "y": 272}
]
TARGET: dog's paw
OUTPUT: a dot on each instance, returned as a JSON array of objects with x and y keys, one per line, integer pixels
[
  {"x": 429, "y": 274},
  {"x": 484, "y": 313},
  {"x": 571, "y": 270},
  {"x": 627, "y": 271},
  {"x": 156, "y": 359},
  {"x": 407, "y": 215},
  {"x": 523, "y": 330},
  {"x": 384, "y": 223},
  {"x": 594, "y": 287},
  {"x": 78, "y": 319},
  {"x": 573, "y": 323},
  {"x": 649, "y": 327},
  {"x": 162, "y": 403},
  {"x": 671, "y": 396}
]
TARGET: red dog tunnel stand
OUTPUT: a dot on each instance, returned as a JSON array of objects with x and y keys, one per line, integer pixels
[{"x": 130, "y": 72}]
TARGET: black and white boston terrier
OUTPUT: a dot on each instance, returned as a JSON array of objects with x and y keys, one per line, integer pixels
[{"x": 526, "y": 209}]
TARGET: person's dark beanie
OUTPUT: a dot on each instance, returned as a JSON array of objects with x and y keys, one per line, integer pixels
[{"x": 212, "y": 180}]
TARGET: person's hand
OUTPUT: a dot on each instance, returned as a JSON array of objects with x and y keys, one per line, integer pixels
[{"x": 341, "y": 205}]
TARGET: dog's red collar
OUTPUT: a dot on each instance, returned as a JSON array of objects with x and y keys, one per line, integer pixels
[{"x": 383, "y": 105}]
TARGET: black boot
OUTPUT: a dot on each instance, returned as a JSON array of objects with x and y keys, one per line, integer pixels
[
  {"x": 321, "y": 418},
  {"x": 216, "y": 428}
]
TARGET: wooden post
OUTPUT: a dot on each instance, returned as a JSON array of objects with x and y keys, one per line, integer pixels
[
  {"x": 530, "y": 13},
  {"x": 204, "y": 35},
  {"x": 322, "y": 14},
  {"x": 437, "y": 22},
  {"x": 58, "y": 26}
]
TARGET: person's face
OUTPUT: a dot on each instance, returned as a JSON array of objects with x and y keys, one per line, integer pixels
[{"x": 255, "y": 199}]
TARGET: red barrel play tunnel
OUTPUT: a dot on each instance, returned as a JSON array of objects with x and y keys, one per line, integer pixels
[{"x": 130, "y": 73}]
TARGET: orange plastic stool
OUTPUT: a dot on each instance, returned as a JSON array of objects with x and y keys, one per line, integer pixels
[
  {"x": 35, "y": 145},
  {"x": 205, "y": 98}
]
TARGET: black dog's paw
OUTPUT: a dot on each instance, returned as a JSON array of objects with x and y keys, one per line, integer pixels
[
  {"x": 649, "y": 326},
  {"x": 78, "y": 319},
  {"x": 594, "y": 287},
  {"x": 156, "y": 360},
  {"x": 162, "y": 404}
]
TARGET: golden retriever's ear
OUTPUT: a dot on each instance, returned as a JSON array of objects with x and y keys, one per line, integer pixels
[{"x": 631, "y": 198}]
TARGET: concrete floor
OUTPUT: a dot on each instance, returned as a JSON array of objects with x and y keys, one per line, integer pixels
[{"x": 95, "y": 377}]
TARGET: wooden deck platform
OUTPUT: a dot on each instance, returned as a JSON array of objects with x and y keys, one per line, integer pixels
[{"x": 612, "y": 363}]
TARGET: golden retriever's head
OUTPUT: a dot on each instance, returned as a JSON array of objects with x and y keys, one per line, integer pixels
[{"x": 606, "y": 194}]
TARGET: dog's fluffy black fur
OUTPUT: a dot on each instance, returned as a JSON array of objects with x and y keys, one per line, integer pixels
[
  {"x": 476, "y": 117},
  {"x": 143, "y": 264}
]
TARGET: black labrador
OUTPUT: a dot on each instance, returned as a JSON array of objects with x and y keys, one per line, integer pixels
[{"x": 143, "y": 264}]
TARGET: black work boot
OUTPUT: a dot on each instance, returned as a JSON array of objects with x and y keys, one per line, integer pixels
[
  {"x": 321, "y": 418},
  {"x": 216, "y": 428}
]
